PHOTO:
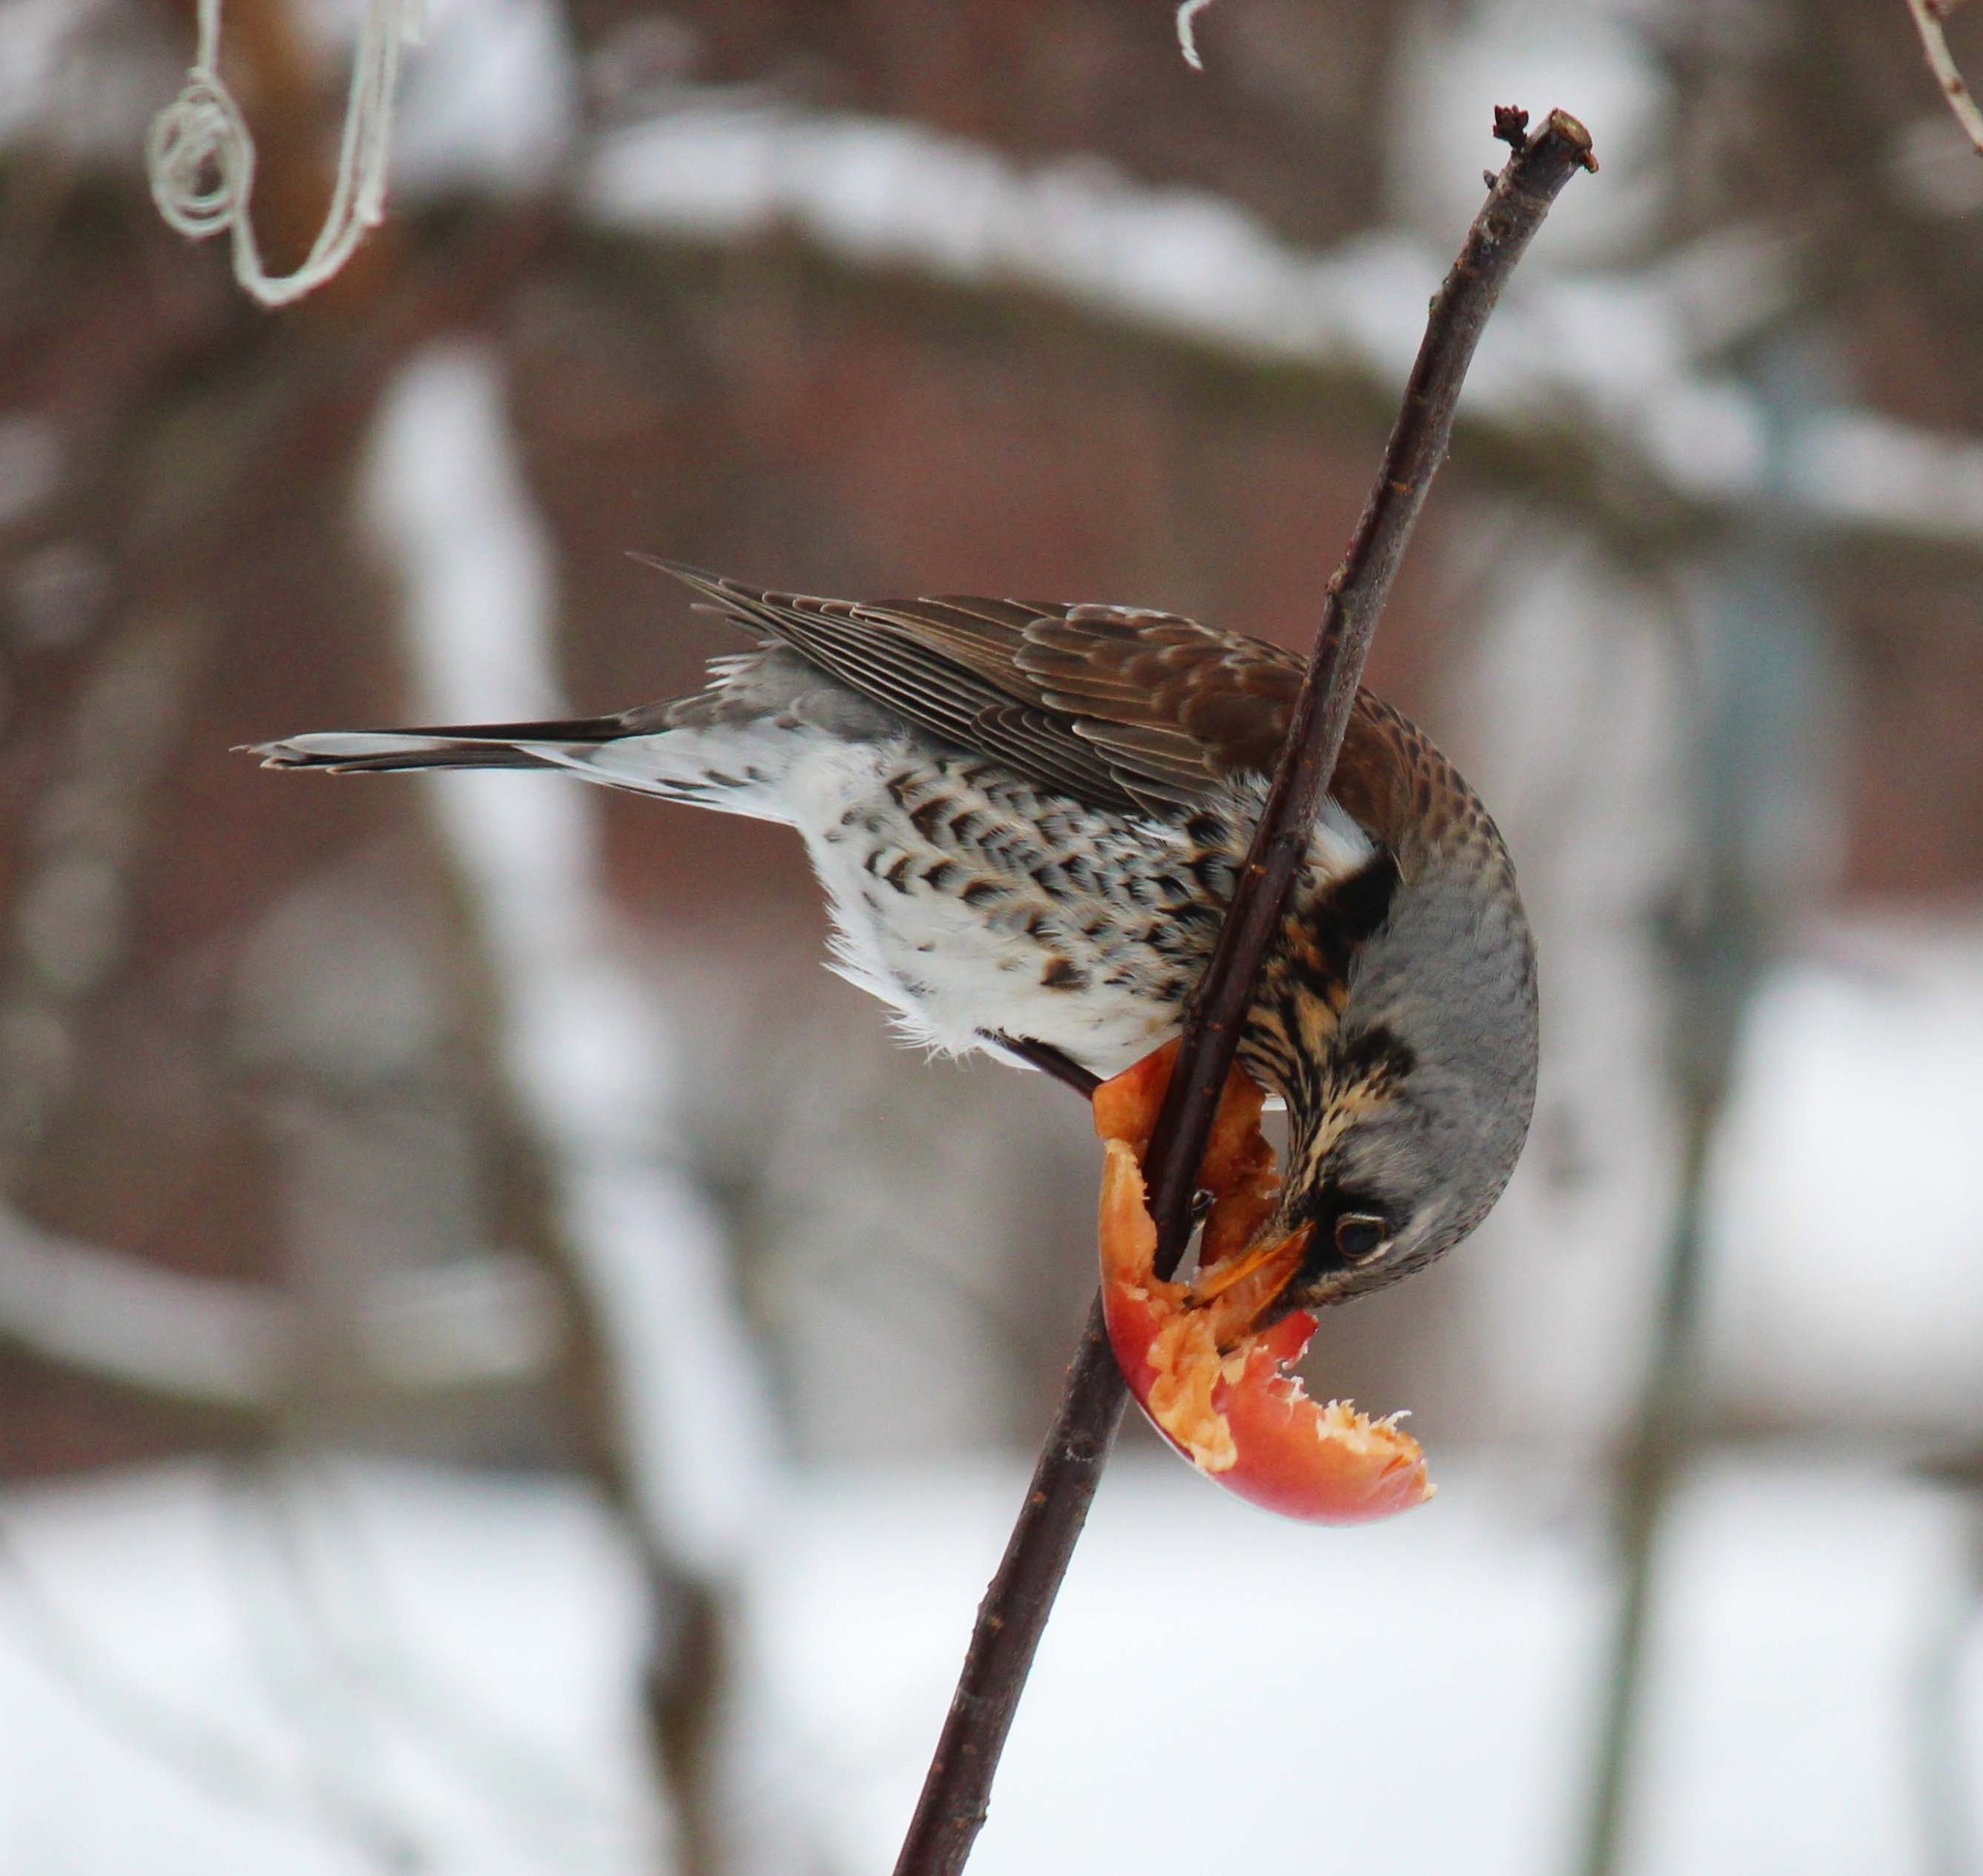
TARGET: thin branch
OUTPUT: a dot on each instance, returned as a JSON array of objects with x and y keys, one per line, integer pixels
[
  {"x": 956, "y": 1795},
  {"x": 1521, "y": 197},
  {"x": 1928, "y": 17}
]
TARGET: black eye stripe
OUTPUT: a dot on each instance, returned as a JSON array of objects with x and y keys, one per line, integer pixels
[
  {"x": 1353, "y": 908},
  {"x": 1377, "y": 1054}
]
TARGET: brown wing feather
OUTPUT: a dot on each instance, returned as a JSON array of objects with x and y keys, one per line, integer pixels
[{"x": 1120, "y": 707}]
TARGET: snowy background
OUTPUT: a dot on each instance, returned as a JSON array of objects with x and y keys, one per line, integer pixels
[{"x": 505, "y": 1367}]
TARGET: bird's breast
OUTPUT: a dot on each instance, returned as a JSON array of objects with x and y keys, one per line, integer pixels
[{"x": 970, "y": 900}]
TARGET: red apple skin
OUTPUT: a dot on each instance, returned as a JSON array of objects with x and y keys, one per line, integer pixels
[{"x": 1293, "y": 1457}]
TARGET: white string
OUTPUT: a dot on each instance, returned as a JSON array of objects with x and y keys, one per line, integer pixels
[
  {"x": 200, "y": 158},
  {"x": 1187, "y": 35}
]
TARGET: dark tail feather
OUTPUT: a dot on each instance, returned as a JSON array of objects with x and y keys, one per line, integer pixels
[
  {"x": 577, "y": 729},
  {"x": 465, "y": 746},
  {"x": 493, "y": 745}
]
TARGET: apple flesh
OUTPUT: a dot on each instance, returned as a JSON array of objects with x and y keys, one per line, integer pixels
[{"x": 1216, "y": 1387}]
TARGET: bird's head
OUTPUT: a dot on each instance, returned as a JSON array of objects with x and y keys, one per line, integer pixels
[{"x": 1407, "y": 1112}]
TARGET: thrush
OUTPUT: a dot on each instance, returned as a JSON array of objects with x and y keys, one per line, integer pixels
[{"x": 1029, "y": 820}]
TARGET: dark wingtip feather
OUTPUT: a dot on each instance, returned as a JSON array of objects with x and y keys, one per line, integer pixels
[{"x": 729, "y": 598}]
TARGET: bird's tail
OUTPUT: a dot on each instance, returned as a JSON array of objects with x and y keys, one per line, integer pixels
[
  {"x": 727, "y": 747},
  {"x": 714, "y": 749},
  {"x": 461, "y": 746}
]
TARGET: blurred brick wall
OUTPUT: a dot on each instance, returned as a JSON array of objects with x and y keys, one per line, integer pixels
[{"x": 760, "y": 411}]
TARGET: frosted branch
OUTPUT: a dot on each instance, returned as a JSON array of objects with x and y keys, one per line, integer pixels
[
  {"x": 1187, "y": 34},
  {"x": 1928, "y": 17}
]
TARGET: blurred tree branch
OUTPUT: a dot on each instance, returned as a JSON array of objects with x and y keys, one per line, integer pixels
[{"x": 1928, "y": 17}]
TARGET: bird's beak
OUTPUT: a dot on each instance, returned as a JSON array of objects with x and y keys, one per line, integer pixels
[
  {"x": 1243, "y": 1289},
  {"x": 1243, "y": 1269}
]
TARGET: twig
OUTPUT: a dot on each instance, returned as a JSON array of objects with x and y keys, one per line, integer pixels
[
  {"x": 1516, "y": 203},
  {"x": 1928, "y": 17},
  {"x": 956, "y": 1794}
]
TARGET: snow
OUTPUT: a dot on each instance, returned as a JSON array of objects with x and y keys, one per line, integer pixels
[
  {"x": 343, "y": 1665},
  {"x": 1219, "y": 1690},
  {"x": 1214, "y": 1684},
  {"x": 1859, "y": 466},
  {"x": 321, "y": 1668},
  {"x": 1848, "y": 1222},
  {"x": 1799, "y": 1606}
]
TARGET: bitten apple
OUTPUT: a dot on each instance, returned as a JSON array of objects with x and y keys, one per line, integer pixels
[{"x": 1213, "y": 1383}]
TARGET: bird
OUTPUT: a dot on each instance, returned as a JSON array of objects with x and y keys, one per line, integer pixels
[{"x": 1028, "y": 818}]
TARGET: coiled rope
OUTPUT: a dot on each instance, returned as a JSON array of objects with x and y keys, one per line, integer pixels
[{"x": 200, "y": 159}]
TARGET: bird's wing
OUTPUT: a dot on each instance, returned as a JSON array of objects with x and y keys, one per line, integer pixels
[{"x": 1122, "y": 709}]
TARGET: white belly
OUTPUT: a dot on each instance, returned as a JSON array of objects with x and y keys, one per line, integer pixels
[
  {"x": 963, "y": 931},
  {"x": 963, "y": 899}
]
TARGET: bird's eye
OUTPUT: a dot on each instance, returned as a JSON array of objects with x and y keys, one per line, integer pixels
[{"x": 1359, "y": 1237}]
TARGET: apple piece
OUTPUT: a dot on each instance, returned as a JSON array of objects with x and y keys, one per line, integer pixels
[{"x": 1214, "y": 1386}]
